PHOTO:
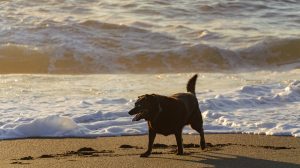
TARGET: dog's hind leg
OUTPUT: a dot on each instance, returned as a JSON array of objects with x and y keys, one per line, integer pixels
[
  {"x": 152, "y": 135},
  {"x": 178, "y": 136},
  {"x": 197, "y": 124}
]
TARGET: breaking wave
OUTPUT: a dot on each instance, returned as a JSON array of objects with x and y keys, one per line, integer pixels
[{"x": 96, "y": 47}]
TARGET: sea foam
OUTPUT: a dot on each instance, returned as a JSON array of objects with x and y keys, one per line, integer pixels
[
  {"x": 258, "y": 108},
  {"x": 50, "y": 126}
]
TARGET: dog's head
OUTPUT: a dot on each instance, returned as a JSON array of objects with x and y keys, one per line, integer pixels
[{"x": 145, "y": 108}]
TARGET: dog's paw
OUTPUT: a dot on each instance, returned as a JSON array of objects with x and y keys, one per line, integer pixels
[
  {"x": 146, "y": 154},
  {"x": 179, "y": 153},
  {"x": 202, "y": 144}
]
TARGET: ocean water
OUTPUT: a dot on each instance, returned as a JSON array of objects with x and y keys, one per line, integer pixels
[{"x": 75, "y": 68}]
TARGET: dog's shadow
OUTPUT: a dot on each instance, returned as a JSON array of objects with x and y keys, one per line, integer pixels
[{"x": 219, "y": 160}]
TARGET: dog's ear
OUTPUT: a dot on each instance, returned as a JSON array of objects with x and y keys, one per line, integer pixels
[
  {"x": 155, "y": 106},
  {"x": 142, "y": 96},
  {"x": 153, "y": 100},
  {"x": 145, "y": 95},
  {"x": 150, "y": 95}
]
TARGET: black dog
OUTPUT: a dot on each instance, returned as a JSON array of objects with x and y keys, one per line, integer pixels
[{"x": 168, "y": 115}]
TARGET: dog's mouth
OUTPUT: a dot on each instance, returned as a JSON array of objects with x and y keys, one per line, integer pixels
[{"x": 140, "y": 114}]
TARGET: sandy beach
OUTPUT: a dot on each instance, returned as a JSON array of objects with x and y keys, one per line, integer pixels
[
  {"x": 72, "y": 69},
  {"x": 223, "y": 150}
]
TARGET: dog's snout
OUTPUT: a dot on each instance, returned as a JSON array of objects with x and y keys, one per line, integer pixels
[{"x": 132, "y": 111}]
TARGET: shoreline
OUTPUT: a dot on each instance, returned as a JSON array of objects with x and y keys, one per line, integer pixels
[
  {"x": 112, "y": 136},
  {"x": 223, "y": 150}
]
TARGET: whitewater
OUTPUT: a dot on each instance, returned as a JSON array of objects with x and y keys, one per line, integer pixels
[
  {"x": 97, "y": 105},
  {"x": 73, "y": 68}
]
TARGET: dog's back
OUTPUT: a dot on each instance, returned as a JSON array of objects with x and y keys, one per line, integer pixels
[{"x": 190, "y": 102}]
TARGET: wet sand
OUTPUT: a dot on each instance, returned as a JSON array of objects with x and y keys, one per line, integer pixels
[{"x": 223, "y": 150}]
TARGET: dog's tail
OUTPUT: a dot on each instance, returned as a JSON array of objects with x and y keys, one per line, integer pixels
[{"x": 190, "y": 87}]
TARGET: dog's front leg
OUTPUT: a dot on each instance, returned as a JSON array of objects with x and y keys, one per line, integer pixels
[
  {"x": 152, "y": 135},
  {"x": 178, "y": 136}
]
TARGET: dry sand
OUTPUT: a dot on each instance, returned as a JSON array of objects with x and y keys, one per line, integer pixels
[{"x": 224, "y": 150}]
